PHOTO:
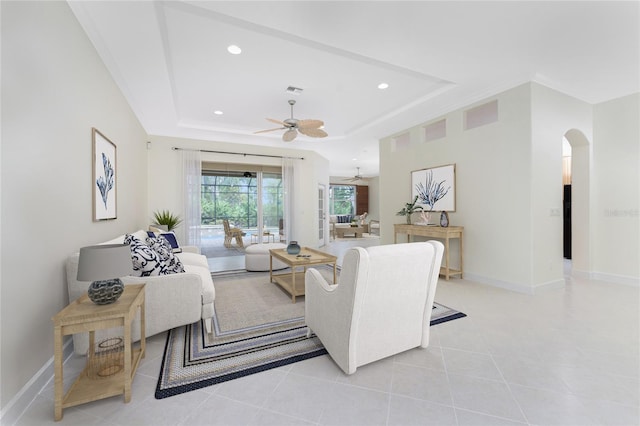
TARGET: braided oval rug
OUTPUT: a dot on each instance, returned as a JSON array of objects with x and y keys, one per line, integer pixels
[{"x": 255, "y": 328}]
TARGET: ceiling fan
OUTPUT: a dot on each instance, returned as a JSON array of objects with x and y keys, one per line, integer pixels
[
  {"x": 292, "y": 125},
  {"x": 356, "y": 178}
]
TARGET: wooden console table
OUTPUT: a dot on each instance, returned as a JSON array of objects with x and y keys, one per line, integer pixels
[
  {"x": 434, "y": 232},
  {"x": 83, "y": 315}
]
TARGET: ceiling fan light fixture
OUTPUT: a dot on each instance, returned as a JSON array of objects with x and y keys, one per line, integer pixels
[
  {"x": 356, "y": 178},
  {"x": 308, "y": 127},
  {"x": 383, "y": 86},
  {"x": 218, "y": 112}
]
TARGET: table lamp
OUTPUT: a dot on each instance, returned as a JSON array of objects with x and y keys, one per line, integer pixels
[{"x": 103, "y": 265}]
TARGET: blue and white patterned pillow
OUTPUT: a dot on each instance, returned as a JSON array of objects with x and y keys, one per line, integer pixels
[
  {"x": 163, "y": 249},
  {"x": 171, "y": 238},
  {"x": 146, "y": 262}
]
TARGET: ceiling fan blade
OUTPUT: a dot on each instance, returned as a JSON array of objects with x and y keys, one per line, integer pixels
[
  {"x": 273, "y": 120},
  {"x": 314, "y": 133},
  {"x": 289, "y": 135},
  {"x": 310, "y": 124},
  {"x": 269, "y": 130}
]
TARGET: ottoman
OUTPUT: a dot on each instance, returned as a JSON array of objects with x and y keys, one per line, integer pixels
[{"x": 257, "y": 257}]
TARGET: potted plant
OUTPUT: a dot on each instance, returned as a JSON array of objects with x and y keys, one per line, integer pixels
[
  {"x": 409, "y": 209},
  {"x": 165, "y": 217}
]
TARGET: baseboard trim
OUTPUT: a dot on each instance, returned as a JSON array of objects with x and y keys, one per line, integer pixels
[
  {"x": 550, "y": 285},
  {"x": 603, "y": 276},
  {"x": 20, "y": 402},
  {"x": 518, "y": 288},
  {"x": 555, "y": 284},
  {"x": 577, "y": 273},
  {"x": 616, "y": 279}
]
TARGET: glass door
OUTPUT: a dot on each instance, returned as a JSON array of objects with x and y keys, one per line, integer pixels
[
  {"x": 322, "y": 215},
  {"x": 249, "y": 200},
  {"x": 272, "y": 208}
]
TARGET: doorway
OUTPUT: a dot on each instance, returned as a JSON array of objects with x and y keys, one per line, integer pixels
[
  {"x": 249, "y": 198},
  {"x": 566, "y": 199},
  {"x": 578, "y": 203},
  {"x": 322, "y": 215}
]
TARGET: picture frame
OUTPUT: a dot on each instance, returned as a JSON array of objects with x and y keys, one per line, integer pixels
[
  {"x": 105, "y": 177},
  {"x": 435, "y": 188}
]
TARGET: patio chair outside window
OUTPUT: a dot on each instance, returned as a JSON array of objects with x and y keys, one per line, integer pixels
[{"x": 231, "y": 233}]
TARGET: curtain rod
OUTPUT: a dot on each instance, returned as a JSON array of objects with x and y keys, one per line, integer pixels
[{"x": 235, "y": 153}]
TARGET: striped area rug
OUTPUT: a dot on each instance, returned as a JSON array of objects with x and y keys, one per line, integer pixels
[{"x": 256, "y": 328}]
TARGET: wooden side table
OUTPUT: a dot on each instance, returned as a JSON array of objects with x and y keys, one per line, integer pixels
[
  {"x": 83, "y": 315},
  {"x": 445, "y": 233}
]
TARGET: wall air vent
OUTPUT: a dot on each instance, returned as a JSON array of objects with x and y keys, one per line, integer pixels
[
  {"x": 435, "y": 130},
  {"x": 401, "y": 143},
  {"x": 294, "y": 90},
  {"x": 481, "y": 115}
]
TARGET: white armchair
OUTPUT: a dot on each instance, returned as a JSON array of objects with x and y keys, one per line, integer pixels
[{"x": 381, "y": 305}]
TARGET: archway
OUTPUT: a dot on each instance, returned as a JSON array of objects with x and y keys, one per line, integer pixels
[{"x": 580, "y": 221}]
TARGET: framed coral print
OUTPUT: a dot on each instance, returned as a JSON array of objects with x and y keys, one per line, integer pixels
[
  {"x": 105, "y": 175},
  {"x": 435, "y": 188}
]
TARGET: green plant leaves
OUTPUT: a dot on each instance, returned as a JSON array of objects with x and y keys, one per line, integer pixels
[{"x": 165, "y": 217}]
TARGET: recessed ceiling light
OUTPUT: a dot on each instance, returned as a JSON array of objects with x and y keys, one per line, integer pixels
[
  {"x": 234, "y": 50},
  {"x": 383, "y": 85},
  {"x": 218, "y": 112}
]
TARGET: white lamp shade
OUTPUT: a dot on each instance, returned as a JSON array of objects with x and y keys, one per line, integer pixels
[{"x": 104, "y": 262}]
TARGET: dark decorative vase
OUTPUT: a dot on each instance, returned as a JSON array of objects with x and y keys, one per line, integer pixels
[
  {"x": 104, "y": 292},
  {"x": 444, "y": 219},
  {"x": 293, "y": 248}
]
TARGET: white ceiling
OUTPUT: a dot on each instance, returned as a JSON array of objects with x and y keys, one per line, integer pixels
[{"x": 170, "y": 59}]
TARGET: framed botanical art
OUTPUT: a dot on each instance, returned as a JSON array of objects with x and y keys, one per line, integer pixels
[
  {"x": 105, "y": 175},
  {"x": 435, "y": 188}
]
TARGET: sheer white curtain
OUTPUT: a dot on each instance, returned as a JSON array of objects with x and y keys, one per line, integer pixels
[
  {"x": 191, "y": 184},
  {"x": 290, "y": 166}
]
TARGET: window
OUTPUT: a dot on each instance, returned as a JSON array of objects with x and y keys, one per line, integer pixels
[
  {"x": 234, "y": 195},
  {"x": 342, "y": 199},
  {"x": 272, "y": 200}
]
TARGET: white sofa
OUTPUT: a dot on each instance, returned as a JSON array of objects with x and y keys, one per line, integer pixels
[
  {"x": 170, "y": 300},
  {"x": 381, "y": 305}
]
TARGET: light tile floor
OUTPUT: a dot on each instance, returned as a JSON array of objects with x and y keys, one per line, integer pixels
[{"x": 562, "y": 357}]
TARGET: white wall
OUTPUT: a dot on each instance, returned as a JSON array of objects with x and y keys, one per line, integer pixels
[
  {"x": 54, "y": 90},
  {"x": 509, "y": 179},
  {"x": 374, "y": 198},
  {"x": 553, "y": 115},
  {"x": 493, "y": 200},
  {"x": 164, "y": 177},
  {"x": 616, "y": 190}
]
